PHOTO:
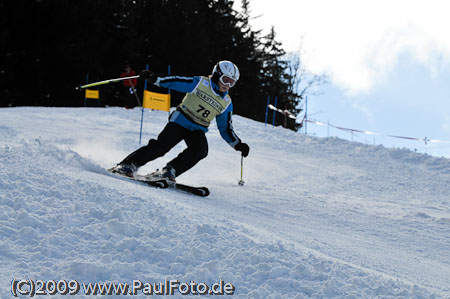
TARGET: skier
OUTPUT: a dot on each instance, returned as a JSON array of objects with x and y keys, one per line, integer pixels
[
  {"x": 206, "y": 98},
  {"x": 128, "y": 87}
]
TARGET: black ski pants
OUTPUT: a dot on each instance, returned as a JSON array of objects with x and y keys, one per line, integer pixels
[{"x": 197, "y": 148}]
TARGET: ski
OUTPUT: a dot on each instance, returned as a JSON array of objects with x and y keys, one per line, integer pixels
[
  {"x": 164, "y": 184},
  {"x": 200, "y": 191}
]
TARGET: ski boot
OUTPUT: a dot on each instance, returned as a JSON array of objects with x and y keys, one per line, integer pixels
[
  {"x": 125, "y": 169},
  {"x": 167, "y": 173}
]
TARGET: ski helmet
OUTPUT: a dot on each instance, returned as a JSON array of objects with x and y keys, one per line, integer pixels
[{"x": 226, "y": 72}]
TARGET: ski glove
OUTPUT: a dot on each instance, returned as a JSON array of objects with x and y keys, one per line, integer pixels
[
  {"x": 243, "y": 148},
  {"x": 148, "y": 75}
]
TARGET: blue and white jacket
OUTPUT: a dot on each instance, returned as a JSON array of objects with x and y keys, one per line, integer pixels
[{"x": 188, "y": 85}]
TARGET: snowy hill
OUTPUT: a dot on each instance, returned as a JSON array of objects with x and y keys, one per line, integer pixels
[{"x": 320, "y": 218}]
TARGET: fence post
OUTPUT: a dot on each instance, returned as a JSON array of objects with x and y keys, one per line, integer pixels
[
  {"x": 328, "y": 128},
  {"x": 306, "y": 116},
  {"x": 87, "y": 79},
  {"x": 267, "y": 111},
  {"x": 274, "y": 113}
]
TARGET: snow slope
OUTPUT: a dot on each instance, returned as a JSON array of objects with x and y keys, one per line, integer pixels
[{"x": 317, "y": 217}]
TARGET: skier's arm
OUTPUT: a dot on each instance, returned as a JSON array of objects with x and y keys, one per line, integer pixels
[
  {"x": 225, "y": 126},
  {"x": 181, "y": 84}
]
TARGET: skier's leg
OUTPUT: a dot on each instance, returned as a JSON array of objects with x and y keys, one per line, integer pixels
[
  {"x": 197, "y": 149},
  {"x": 167, "y": 139}
]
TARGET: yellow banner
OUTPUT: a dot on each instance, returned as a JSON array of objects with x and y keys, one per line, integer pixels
[
  {"x": 157, "y": 101},
  {"x": 92, "y": 94}
]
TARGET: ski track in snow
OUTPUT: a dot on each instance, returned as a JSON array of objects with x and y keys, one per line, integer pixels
[{"x": 317, "y": 217}]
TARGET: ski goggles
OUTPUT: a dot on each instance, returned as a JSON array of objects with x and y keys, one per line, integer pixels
[{"x": 225, "y": 80}]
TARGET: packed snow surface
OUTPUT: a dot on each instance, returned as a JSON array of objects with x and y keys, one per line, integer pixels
[{"x": 316, "y": 218}]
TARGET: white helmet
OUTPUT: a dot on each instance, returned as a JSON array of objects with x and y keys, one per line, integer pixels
[{"x": 226, "y": 72}]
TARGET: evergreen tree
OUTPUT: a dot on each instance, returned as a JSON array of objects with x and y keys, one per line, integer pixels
[
  {"x": 49, "y": 46},
  {"x": 277, "y": 81}
]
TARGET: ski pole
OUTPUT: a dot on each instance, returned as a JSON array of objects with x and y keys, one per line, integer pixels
[
  {"x": 241, "y": 182},
  {"x": 135, "y": 92},
  {"x": 106, "y": 82}
]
